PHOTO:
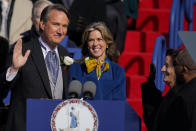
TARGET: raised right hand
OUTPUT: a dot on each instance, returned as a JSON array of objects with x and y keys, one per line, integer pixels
[{"x": 18, "y": 59}]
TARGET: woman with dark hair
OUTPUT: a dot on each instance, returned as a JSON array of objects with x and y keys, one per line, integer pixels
[{"x": 98, "y": 64}]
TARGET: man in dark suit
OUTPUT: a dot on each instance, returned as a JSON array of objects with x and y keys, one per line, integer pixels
[
  {"x": 177, "y": 110},
  {"x": 36, "y": 70},
  {"x": 84, "y": 12}
]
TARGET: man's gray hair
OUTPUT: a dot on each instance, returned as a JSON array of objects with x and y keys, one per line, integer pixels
[{"x": 39, "y": 4}]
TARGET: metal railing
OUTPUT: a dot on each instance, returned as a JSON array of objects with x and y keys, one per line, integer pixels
[
  {"x": 180, "y": 9},
  {"x": 158, "y": 59}
]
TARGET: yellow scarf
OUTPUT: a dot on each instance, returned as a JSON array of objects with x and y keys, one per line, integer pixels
[{"x": 92, "y": 63}]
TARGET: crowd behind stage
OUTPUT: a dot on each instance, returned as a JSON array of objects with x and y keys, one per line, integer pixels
[
  {"x": 33, "y": 62},
  {"x": 14, "y": 22}
]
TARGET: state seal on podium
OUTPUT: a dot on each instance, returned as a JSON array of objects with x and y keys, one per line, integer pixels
[{"x": 74, "y": 115}]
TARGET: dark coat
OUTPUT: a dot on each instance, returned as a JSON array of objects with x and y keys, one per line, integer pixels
[
  {"x": 29, "y": 35},
  {"x": 32, "y": 81},
  {"x": 84, "y": 12},
  {"x": 174, "y": 112},
  {"x": 117, "y": 21}
]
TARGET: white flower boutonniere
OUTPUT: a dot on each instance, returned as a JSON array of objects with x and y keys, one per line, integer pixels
[{"x": 67, "y": 61}]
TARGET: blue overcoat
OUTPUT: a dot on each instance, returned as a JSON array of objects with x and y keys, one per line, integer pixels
[{"x": 110, "y": 86}]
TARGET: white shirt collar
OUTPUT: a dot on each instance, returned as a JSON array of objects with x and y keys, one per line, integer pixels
[{"x": 45, "y": 48}]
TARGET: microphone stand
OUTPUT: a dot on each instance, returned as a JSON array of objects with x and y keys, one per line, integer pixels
[{"x": 88, "y": 96}]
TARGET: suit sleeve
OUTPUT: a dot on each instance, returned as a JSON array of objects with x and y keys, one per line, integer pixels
[
  {"x": 188, "y": 113},
  {"x": 4, "y": 85},
  {"x": 151, "y": 99},
  {"x": 193, "y": 120}
]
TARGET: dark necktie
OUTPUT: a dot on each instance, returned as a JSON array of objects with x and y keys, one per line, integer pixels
[{"x": 53, "y": 65}]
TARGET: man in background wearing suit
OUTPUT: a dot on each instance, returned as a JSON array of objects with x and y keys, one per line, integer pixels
[
  {"x": 35, "y": 70},
  {"x": 37, "y": 9}
]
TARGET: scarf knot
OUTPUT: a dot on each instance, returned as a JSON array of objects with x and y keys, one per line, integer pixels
[{"x": 100, "y": 67}]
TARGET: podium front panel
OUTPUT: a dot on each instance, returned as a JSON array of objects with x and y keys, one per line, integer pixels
[{"x": 112, "y": 115}]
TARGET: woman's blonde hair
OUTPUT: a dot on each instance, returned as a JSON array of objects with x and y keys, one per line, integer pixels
[{"x": 112, "y": 51}]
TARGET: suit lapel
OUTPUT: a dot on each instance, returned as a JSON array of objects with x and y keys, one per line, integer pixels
[
  {"x": 40, "y": 65},
  {"x": 65, "y": 72}
]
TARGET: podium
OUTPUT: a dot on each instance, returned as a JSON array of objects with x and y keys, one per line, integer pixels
[{"x": 112, "y": 115}]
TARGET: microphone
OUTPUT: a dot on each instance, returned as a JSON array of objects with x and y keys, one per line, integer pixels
[
  {"x": 74, "y": 90},
  {"x": 89, "y": 90}
]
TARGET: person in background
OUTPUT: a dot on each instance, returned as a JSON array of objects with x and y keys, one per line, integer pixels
[
  {"x": 38, "y": 6},
  {"x": 132, "y": 12},
  {"x": 67, "y": 3},
  {"x": 35, "y": 70},
  {"x": 176, "y": 110},
  {"x": 84, "y": 12},
  {"x": 98, "y": 64},
  {"x": 116, "y": 11},
  {"x": 151, "y": 96},
  {"x": 4, "y": 48},
  {"x": 53, "y": 1},
  {"x": 185, "y": 103},
  {"x": 15, "y": 18}
]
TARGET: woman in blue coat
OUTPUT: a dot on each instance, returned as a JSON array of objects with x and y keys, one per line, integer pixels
[{"x": 99, "y": 53}]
